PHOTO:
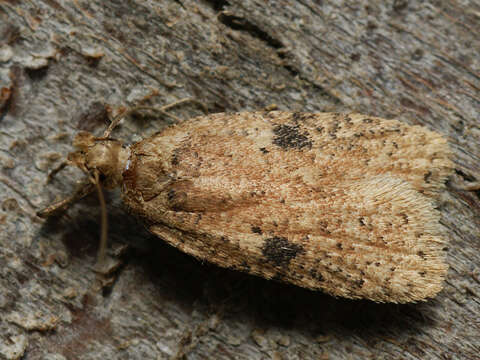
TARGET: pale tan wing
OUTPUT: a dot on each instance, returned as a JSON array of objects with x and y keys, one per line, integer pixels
[{"x": 319, "y": 200}]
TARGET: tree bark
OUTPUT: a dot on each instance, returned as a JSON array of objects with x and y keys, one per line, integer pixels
[{"x": 65, "y": 65}]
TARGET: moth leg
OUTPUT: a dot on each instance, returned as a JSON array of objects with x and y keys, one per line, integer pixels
[
  {"x": 162, "y": 110},
  {"x": 55, "y": 171},
  {"x": 62, "y": 205},
  {"x": 106, "y": 273}
]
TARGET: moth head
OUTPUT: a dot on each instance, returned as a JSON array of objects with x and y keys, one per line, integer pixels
[
  {"x": 104, "y": 160},
  {"x": 105, "y": 156}
]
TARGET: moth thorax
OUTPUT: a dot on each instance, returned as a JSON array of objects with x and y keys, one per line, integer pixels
[{"x": 110, "y": 159}]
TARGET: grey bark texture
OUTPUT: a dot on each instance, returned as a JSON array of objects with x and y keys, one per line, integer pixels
[{"x": 65, "y": 64}]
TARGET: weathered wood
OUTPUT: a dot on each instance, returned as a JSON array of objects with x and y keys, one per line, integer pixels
[{"x": 61, "y": 61}]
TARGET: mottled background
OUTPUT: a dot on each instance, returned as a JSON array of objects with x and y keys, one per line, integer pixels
[{"x": 63, "y": 62}]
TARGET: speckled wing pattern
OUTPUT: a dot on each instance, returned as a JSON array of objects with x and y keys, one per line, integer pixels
[{"x": 341, "y": 203}]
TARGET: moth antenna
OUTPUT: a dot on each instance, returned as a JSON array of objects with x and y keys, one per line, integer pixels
[
  {"x": 62, "y": 205},
  {"x": 182, "y": 101},
  {"x": 104, "y": 227},
  {"x": 162, "y": 110}
]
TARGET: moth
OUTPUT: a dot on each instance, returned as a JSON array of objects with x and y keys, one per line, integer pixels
[{"x": 343, "y": 203}]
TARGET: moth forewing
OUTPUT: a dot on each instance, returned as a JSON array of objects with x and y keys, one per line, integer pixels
[{"x": 341, "y": 203}]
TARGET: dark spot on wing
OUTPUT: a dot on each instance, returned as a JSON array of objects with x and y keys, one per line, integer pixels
[
  {"x": 199, "y": 217},
  {"x": 334, "y": 128},
  {"x": 323, "y": 226},
  {"x": 279, "y": 251},
  {"x": 289, "y": 137},
  {"x": 298, "y": 117},
  {"x": 256, "y": 230},
  {"x": 427, "y": 176},
  {"x": 174, "y": 160},
  {"x": 359, "y": 283},
  {"x": 244, "y": 266},
  {"x": 263, "y": 150},
  {"x": 316, "y": 275}
]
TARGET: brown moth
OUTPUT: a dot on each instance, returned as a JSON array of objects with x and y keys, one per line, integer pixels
[{"x": 338, "y": 203}]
